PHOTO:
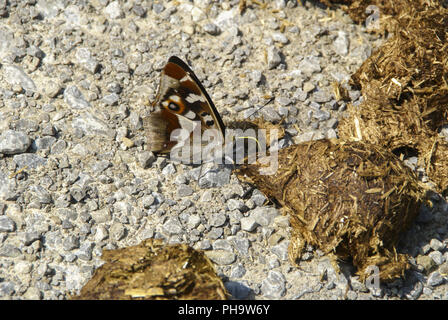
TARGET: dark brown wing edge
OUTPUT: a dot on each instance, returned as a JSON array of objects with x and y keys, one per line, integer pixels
[{"x": 179, "y": 62}]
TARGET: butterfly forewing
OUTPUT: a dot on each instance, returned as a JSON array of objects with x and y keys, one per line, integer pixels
[{"x": 180, "y": 93}]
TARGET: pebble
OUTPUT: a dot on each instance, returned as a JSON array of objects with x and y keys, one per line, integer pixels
[
  {"x": 85, "y": 251},
  {"x": 14, "y": 142},
  {"x": 435, "y": 279},
  {"x": 237, "y": 289},
  {"x": 437, "y": 257},
  {"x": 29, "y": 160},
  {"x": 214, "y": 178},
  {"x": 7, "y": 288},
  {"x": 264, "y": 216},
  {"x": 273, "y": 57},
  {"x": 7, "y": 224},
  {"x": 310, "y": 65},
  {"x": 111, "y": 99},
  {"x": 281, "y": 250},
  {"x": 274, "y": 286},
  {"x": 436, "y": 245},
  {"x": 15, "y": 75},
  {"x": 85, "y": 60},
  {"x": 91, "y": 125},
  {"x": 241, "y": 245},
  {"x": 237, "y": 271},
  {"x": 172, "y": 226},
  {"x": 221, "y": 257},
  {"x": 184, "y": 191},
  {"x": 248, "y": 224},
  {"x": 279, "y": 37},
  {"x": 113, "y": 10},
  {"x": 74, "y": 98},
  {"x": 341, "y": 43},
  {"x": 117, "y": 231}
]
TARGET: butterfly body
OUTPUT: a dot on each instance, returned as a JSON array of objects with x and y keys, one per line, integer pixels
[{"x": 181, "y": 98}]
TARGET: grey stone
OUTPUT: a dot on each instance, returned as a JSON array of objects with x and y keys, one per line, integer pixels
[
  {"x": 10, "y": 251},
  {"x": 193, "y": 221},
  {"x": 91, "y": 125},
  {"x": 248, "y": 224},
  {"x": 279, "y": 37},
  {"x": 218, "y": 219},
  {"x": 215, "y": 233},
  {"x": 85, "y": 251},
  {"x": 436, "y": 245},
  {"x": 237, "y": 289},
  {"x": 321, "y": 115},
  {"x": 264, "y": 216},
  {"x": 7, "y": 224},
  {"x": 173, "y": 226},
  {"x": 341, "y": 43},
  {"x": 273, "y": 57},
  {"x": 258, "y": 198},
  {"x": 238, "y": 271},
  {"x": 184, "y": 191},
  {"x": 214, "y": 178},
  {"x": 114, "y": 11},
  {"x": 101, "y": 233},
  {"x": 111, "y": 99},
  {"x": 212, "y": 29},
  {"x": 138, "y": 10},
  {"x": 30, "y": 237},
  {"x": 281, "y": 250},
  {"x": 101, "y": 216},
  {"x": 85, "y": 59},
  {"x": 14, "y": 142},
  {"x": 15, "y": 75},
  {"x": 71, "y": 242},
  {"x": 435, "y": 279},
  {"x": 437, "y": 257},
  {"x": 74, "y": 98},
  {"x": 30, "y": 160},
  {"x": 222, "y": 244},
  {"x": 256, "y": 76},
  {"x": 41, "y": 194},
  {"x": 234, "y": 204},
  {"x": 158, "y": 8},
  {"x": 270, "y": 114},
  {"x": 52, "y": 88},
  {"x": 7, "y": 288},
  {"x": 274, "y": 286},
  {"x": 43, "y": 143},
  {"x": 310, "y": 65},
  {"x": 273, "y": 262},
  {"x": 321, "y": 96},
  {"x": 241, "y": 245},
  {"x": 169, "y": 169},
  {"x": 117, "y": 231},
  {"x": 221, "y": 257}
]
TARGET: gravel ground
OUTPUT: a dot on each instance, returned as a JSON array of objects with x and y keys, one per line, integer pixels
[{"x": 75, "y": 80}]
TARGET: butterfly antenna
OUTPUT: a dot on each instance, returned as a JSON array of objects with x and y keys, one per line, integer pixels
[{"x": 269, "y": 101}]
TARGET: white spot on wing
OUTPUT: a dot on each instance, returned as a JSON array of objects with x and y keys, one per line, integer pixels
[
  {"x": 176, "y": 99},
  {"x": 190, "y": 115},
  {"x": 185, "y": 78},
  {"x": 192, "y": 98},
  {"x": 165, "y": 103}
]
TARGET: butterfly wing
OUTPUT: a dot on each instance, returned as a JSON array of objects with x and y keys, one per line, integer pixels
[{"x": 180, "y": 93}]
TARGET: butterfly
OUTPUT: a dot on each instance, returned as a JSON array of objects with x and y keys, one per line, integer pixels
[
  {"x": 180, "y": 101},
  {"x": 182, "y": 105}
]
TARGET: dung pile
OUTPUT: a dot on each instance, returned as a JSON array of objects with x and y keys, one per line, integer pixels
[
  {"x": 352, "y": 199},
  {"x": 405, "y": 84},
  {"x": 154, "y": 271}
]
